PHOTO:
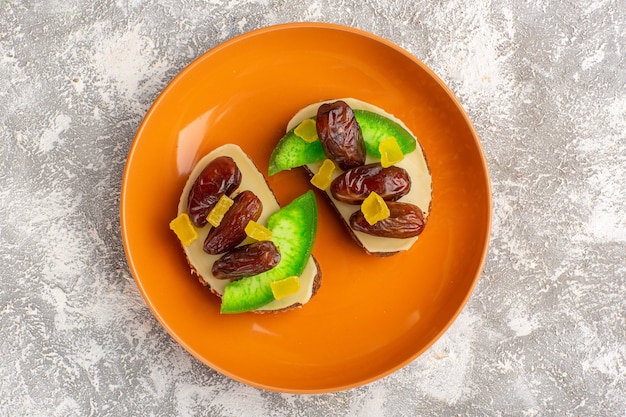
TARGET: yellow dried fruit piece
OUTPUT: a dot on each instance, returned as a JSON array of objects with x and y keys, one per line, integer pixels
[
  {"x": 285, "y": 287},
  {"x": 374, "y": 208},
  {"x": 306, "y": 130},
  {"x": 324, "y": 175},
  {"x": 184, "y": 229},
  {"x": 257, "y": 231},
  {"x": 390, "y": 152},
  {"x": 217, "y": 212}
]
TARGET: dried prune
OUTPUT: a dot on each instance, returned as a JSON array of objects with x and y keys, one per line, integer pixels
[
  {"x": 231, "y": 231},
  {"x": 354, "y": 185},
  {"x": 247, "y": 260},
  {"x": 221, "y": 176},
  {"x": 340, "y": 134},
  {"x": 405, "y": 220}
]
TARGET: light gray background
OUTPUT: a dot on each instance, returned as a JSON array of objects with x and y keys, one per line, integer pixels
[{"x": 544, "y": 84}]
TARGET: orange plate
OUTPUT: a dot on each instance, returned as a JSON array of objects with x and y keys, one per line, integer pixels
[{"x": 372, "y": 315}]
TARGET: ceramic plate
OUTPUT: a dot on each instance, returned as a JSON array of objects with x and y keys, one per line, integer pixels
[{"x": 372, "y": 315}]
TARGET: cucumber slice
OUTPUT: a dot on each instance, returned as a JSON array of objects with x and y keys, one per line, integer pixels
[
  {"x": 291, "y": 151},
  {"x": 376, "y": 128},
  {"x": 293, "y": 230}
]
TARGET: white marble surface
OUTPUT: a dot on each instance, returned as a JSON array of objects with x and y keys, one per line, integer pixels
[{"x": 544, "y": 84}]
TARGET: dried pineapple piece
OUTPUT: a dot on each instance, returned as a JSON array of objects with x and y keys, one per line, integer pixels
[
  {"x": 390, "y": 152},
  {"x": 307, "y": 130},
  {"x": 184, "y": 229},
  {"x": 217, "y": 213},
  {"x": 257, "y": 231},
  {"x": 285, "y": 287},
  {"x": 324, "y": 175},
  {"x": 374, "y": 208}
]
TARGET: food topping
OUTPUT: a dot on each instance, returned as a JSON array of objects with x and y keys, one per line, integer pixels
[
  {"x": 377, "y": 128},
  {"x": 217, "y": 212},
  {"x": 390, "y": 152},
  {"x": 324, "y": 175},
  {"x": 374, "y": 209},
  {"x": 231, "y": 231},
  {"x": 221, "y": 176},
  {"x": 405, "y": 220},
  {"x": 340, "y": 134},
  {"x": 354, "y": 185},
  {"x": 257, "y": 232},
  {"x": 285, "y": 287},
  {"x": 184, "y": 229},
  {"x": 247, "y": 260},
  {"x": 306, "y": 130},
  {"x": 293, "y": 151}
]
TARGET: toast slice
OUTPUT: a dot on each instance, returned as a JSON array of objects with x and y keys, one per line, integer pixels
[
  {"x": 414, "y": 163},
  {"x": 201, "y": 263}
]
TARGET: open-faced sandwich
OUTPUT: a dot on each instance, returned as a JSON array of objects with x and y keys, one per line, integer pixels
[
  {"x": 371, "y": 167},
  {"x": 241, "y": 244},
  {"x": 255, "y": 255}
]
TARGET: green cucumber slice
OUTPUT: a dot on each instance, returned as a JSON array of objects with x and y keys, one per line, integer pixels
[
  {"x": 293, "y": 230},
  {"x": 291, "y": 151},
  {"x": 376, "y": 128}
]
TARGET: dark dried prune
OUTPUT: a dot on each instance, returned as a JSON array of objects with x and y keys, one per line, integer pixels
[
  {"x": 231, "y": 231},
  {"x": 247, "y": 260},
  {"x": 221, "y": 176},
  {"x": 405, "y": 220},
  {"x": 340, "y": 134},
  {"x": 354, "y": 185}
]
